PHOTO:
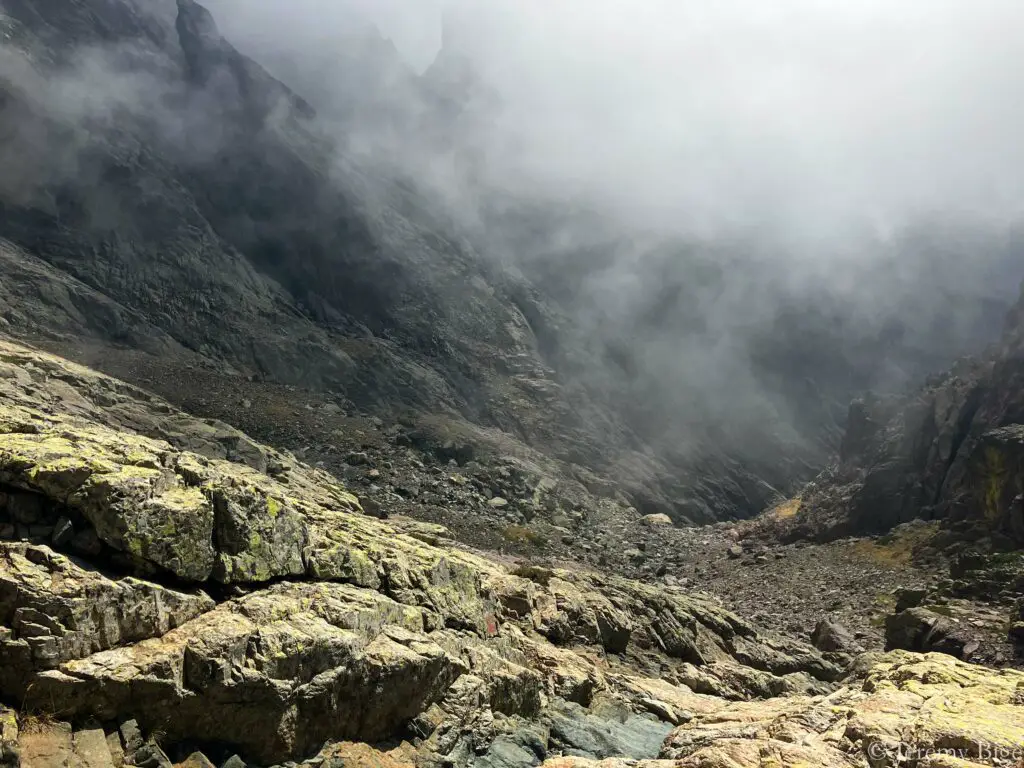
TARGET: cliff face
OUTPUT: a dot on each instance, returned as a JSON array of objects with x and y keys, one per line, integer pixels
[
  {"x": 164, "y": 193},
  {"x": 948, "y": 451},
  {"x": 192, "y": 189}
]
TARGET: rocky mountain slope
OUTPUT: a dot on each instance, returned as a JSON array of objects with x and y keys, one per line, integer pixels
[
  {"x": 170, "y": 586},
  {"x": 251, "y": 602},
  {"x": 163, "y": 193},
  {"x": 948, "y": 451}
]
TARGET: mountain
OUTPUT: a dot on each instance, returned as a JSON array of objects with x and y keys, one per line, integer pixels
[
  {"x": 165, "y": 195},
  {"x": 321, "y": 445},
  {"x": 949, "y": 451}
]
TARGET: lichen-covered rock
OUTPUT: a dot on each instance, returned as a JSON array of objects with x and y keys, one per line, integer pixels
[
  {"x": 213, "y": 602},
  {"x": 904, "y": 704},
  {"x": 277, "y": 672},
  {"x": 996, "y": 477},
  {"x": 55, "y": 611},
  {"x": 10, "y": 755},
  {"x": 930, "y": 711}
]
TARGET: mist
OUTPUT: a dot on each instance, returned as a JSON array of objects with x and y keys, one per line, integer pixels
[
  {"x": 719, "y": 221},
  {"x": 811, "y": 119}
]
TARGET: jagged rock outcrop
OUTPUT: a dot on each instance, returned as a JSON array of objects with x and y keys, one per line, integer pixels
[
  {"x": 242, "y": 598},
  {"x": 919, "y": 629},
  {"x": 950, "y": 451}
]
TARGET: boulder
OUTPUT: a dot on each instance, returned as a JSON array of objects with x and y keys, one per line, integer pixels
[
  {"x": 833, "y": 637},
  {"x": 909, "y": 598},
  {"x": 657, "y": 520},
  {"x": 918, "y": 629}
]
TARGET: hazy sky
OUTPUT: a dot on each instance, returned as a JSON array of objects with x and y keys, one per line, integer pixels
[{"x": 800, "y": 111}]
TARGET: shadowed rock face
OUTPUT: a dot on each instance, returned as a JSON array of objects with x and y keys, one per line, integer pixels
[
  {"x": 949, "y": 451},
  {"x": 195, "y": 191}
]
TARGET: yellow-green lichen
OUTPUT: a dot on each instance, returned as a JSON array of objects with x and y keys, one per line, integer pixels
[
  {"x": 994, "y": 482},
  {"x": 273, "y": 507}
]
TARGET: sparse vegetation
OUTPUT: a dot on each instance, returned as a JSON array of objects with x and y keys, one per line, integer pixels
[
  {"x": 787, "y": 509},
  {"x": 897, "y": 548}
]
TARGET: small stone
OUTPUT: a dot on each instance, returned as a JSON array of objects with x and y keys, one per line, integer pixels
[
  {"x": 196, "y": 760},
  {"x": 656, "y": 520},
  {"x": 233, "y": 762},
  {"x": 115, "y": 748},
  {"x": 662, "y": 711},
  {"x": 131, "y": 736},
  {"x": 357, "y": 459},
  {"x": 62, "y": 532},
  {"x": 373, "y": 474},
  {"x": 151, "y": 756},
  {"x": 91, "y": 748},
  {"x": 372, "y": 508},
  {"x": 830, "y": 635},
  {"x": 735, "y": 552},
  {"x": 498, "y": 502}
]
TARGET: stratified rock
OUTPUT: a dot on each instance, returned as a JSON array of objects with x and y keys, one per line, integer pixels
[
  {"x": 91, "y": 748},
  {"x": 268, "y": 614},
  {"x": 890, "y": 710},
  {"x": 574, "y": 730}
]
